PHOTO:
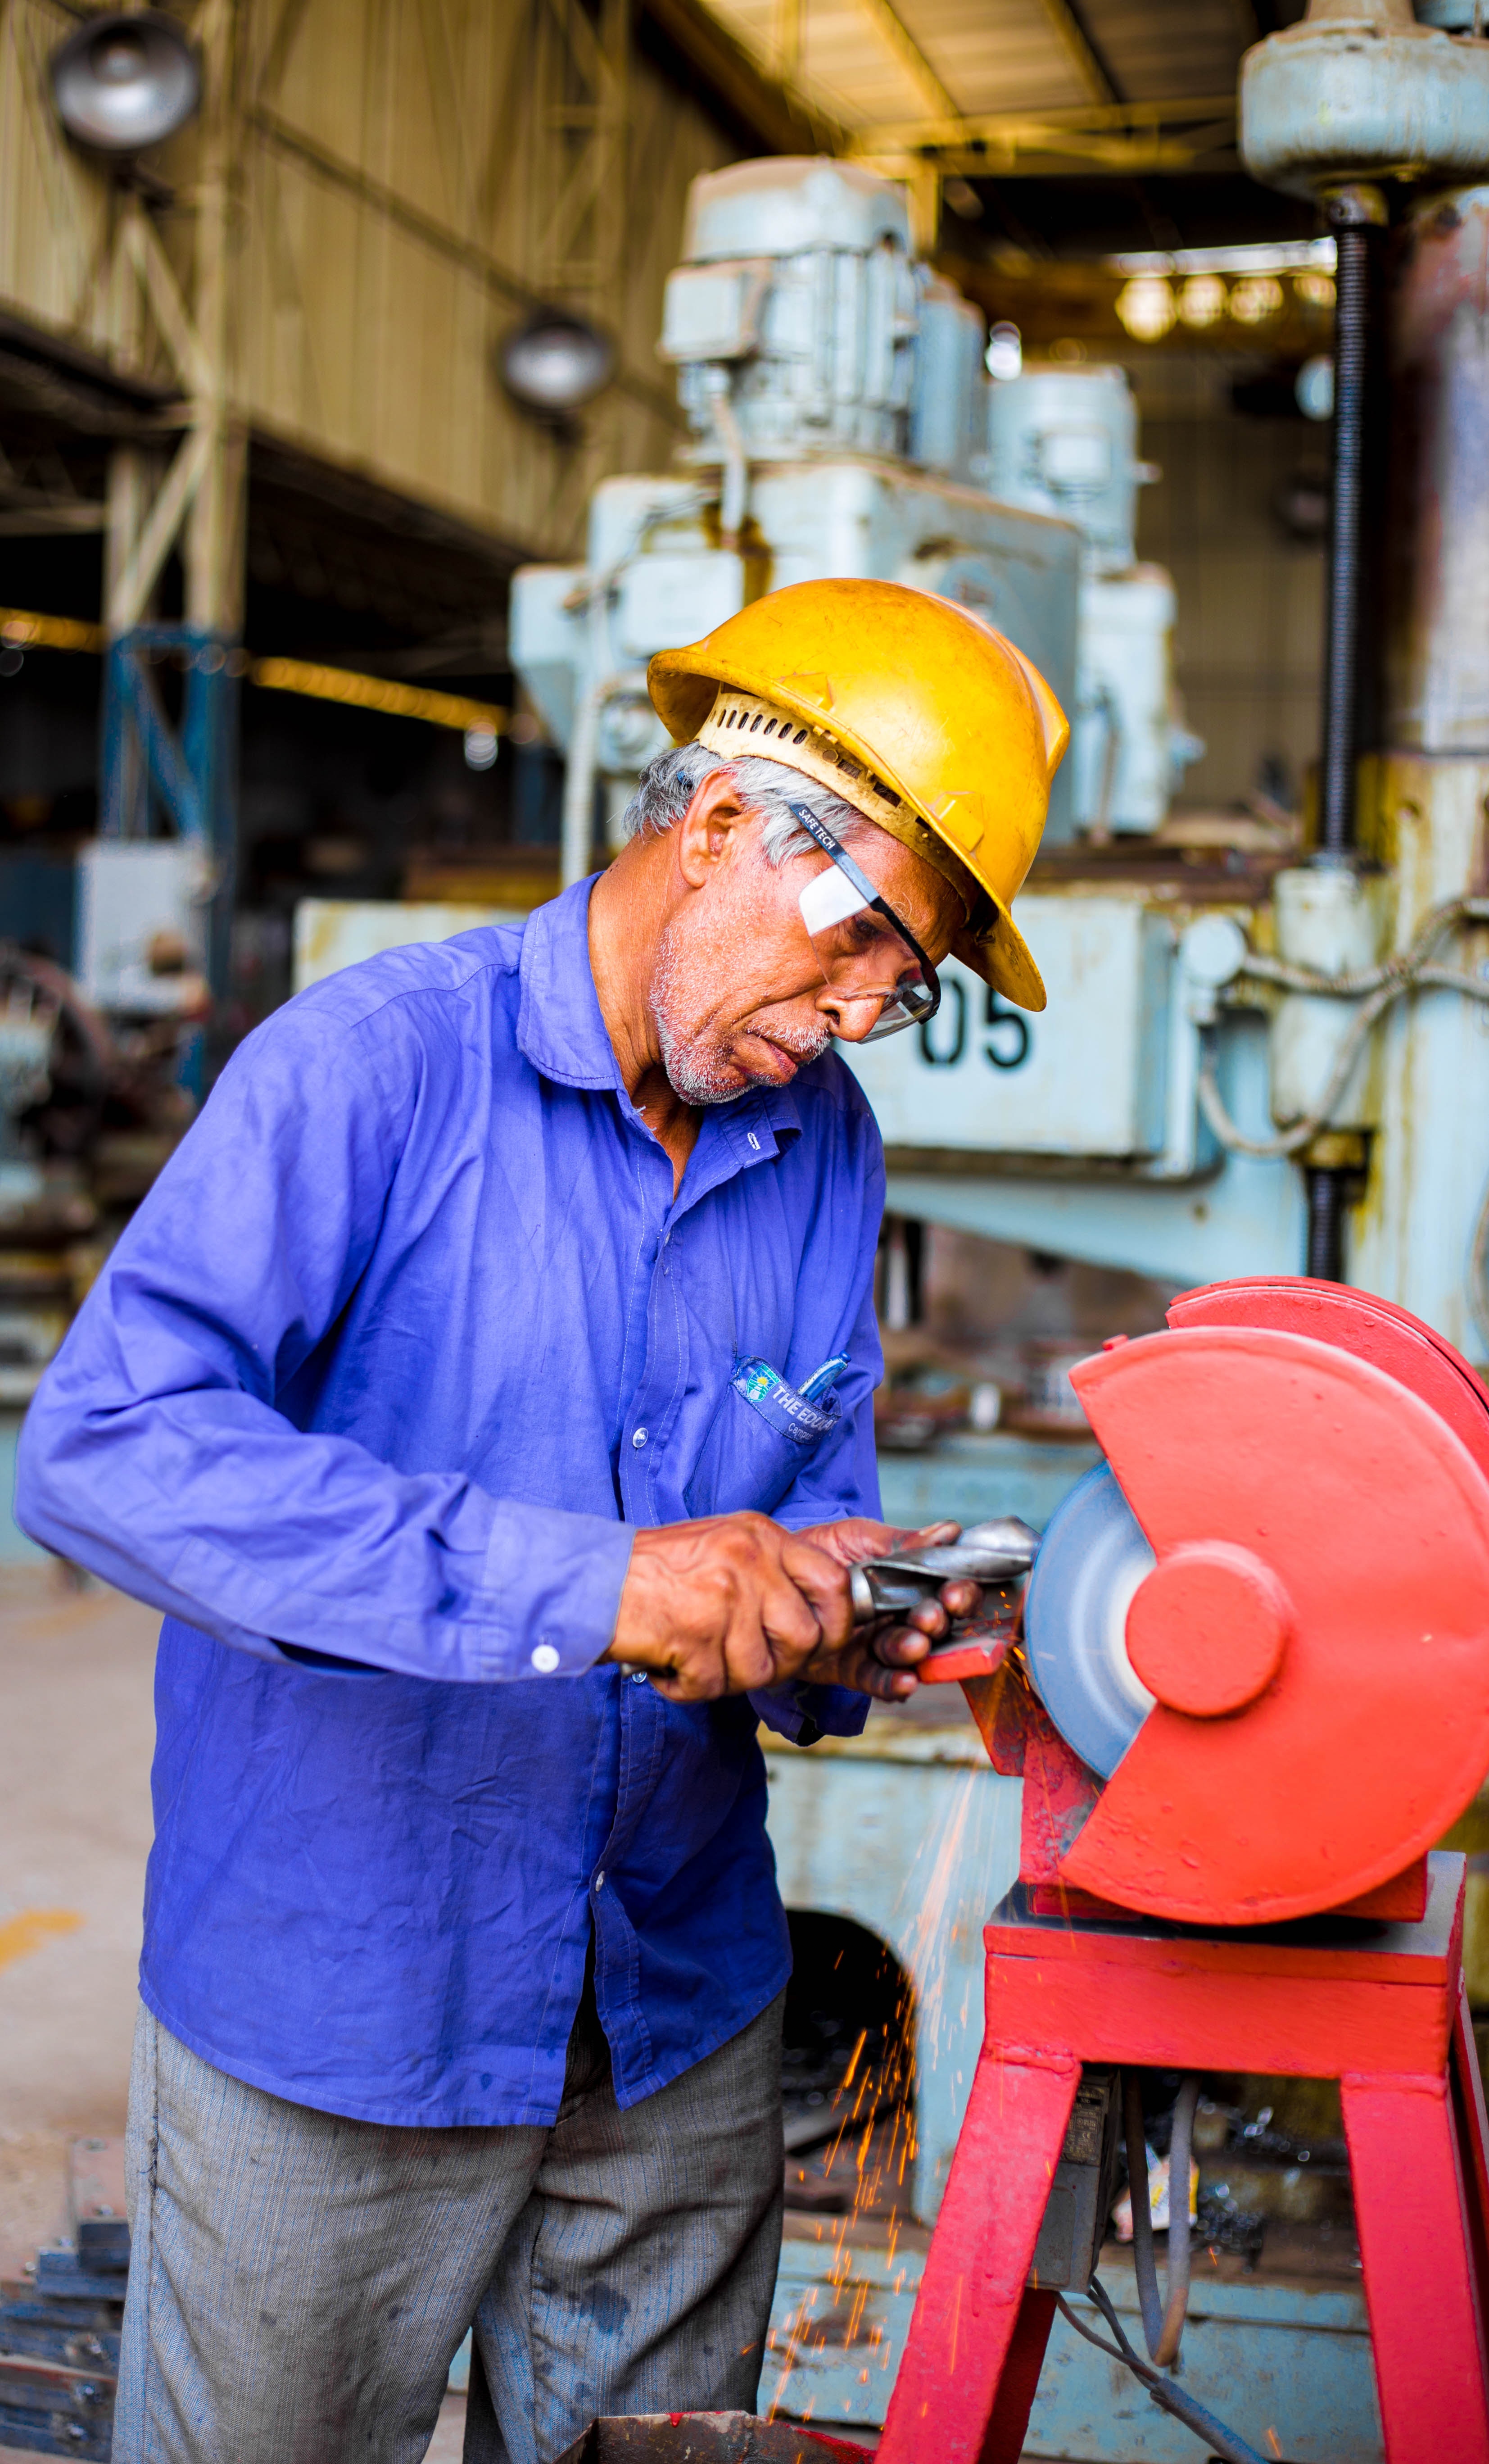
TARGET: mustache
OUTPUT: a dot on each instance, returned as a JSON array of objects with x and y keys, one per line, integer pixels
[{"x": 803, "y": 1043}]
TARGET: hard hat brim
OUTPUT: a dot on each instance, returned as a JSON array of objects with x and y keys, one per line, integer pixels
[
  {"x": 683, "y": 684},
  {"x": 1003, "y": 960}
]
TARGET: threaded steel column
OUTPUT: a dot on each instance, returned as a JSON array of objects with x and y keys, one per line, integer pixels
[{"x": 1354, "y": 215}]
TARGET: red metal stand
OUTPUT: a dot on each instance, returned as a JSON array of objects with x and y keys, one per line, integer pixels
[{"x": 1380, "y": 2008}]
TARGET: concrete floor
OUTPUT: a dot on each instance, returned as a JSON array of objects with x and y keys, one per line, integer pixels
[
  {"x": 77, "y": 1731},
  {"x": 74, "y": 1828}
]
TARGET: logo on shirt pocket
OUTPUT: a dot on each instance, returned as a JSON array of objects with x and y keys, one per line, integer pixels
[
  {"x": 789, "y": 1413},
  {"x": 762, "y": 1440}
]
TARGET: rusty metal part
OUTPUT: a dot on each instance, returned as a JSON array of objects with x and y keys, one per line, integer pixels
[
  {"x": 1436, "y": 599},
  {"x": 977, "y": 1646},
  {"x": 1358, "y": 92},
  {"x": 704, "y": 2438}
]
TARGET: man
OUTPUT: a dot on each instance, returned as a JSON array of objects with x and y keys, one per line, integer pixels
[{"x": 484, "y": 1393}]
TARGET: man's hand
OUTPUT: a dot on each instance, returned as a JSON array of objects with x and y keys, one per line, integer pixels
[
  {"x": 732, "y": 1603},
  {"x": 881, "y": 1658}
]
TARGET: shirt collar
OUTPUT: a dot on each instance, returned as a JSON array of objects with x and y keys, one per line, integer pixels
[{"x": 561, "y": 1028}]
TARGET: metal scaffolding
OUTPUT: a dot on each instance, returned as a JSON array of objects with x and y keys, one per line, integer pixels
[{"x": 190, "y": 500}]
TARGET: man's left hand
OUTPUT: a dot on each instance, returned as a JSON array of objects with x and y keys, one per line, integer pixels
[{"x": 881, "y": 1658}]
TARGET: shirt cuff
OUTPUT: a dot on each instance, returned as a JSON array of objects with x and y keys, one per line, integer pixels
[
  {"x": 801, "y": 1714},
  {"x": 554, "y": 1580}
]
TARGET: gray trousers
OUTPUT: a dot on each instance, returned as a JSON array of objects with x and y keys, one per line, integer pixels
[{"x": 300, "y": 2283}]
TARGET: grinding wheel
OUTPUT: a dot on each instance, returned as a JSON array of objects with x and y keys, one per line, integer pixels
[{"x": 1091, "y": 1561}]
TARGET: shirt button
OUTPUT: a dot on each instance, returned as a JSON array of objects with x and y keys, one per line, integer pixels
[
  {"x": 600, "y": 1882},
  {"x": 638, "y": 1437},
  {"x": 546, "y": 1659},
  {"x": 641, "y": 1675}
]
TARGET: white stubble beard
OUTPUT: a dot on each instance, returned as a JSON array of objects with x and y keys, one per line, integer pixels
[{"x": 695, "y": 1069}]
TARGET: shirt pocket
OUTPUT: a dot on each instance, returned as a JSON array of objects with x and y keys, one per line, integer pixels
[{"x": 761, "y": 1440}]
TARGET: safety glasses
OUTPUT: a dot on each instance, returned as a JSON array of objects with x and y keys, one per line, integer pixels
[{"x": 865, "y": 952}]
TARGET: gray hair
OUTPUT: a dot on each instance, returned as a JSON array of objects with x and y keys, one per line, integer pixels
[{"x": 668, "y": 785}]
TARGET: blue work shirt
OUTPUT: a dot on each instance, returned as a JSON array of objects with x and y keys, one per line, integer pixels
[{"x": 407, "y": 1338}]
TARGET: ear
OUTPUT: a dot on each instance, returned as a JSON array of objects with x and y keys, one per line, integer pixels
[{"x": 701, "y": 839}]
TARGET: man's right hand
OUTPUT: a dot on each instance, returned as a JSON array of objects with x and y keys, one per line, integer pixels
[{"x": 728, "y": 1605}]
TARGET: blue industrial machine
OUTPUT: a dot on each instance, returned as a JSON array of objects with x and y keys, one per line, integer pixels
[
  {"x": 1266, "y": 1070},
  {"x": 838, "y": 424}
]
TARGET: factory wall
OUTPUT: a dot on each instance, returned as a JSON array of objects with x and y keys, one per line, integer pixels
[
  {"x": 405, "y": 192},
  {"x": 1237, "y": 517}
]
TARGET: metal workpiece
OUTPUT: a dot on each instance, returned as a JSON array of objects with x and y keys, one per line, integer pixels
[
  {"x": 1436, "y": 595},
  {"x": 995, "y": 1553},
  {"x": 1359, "y": 90}
]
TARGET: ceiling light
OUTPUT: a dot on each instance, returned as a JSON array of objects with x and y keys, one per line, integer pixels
[
  {"x": 1256, "y": 298},
  {"x": 557, "y": 362},
  {"x": 1315, "y": 290},
  {"x": 1146, "y": 307},
  {"x": 122, "y": 83},
  {"x": 1202, "y": 300}
]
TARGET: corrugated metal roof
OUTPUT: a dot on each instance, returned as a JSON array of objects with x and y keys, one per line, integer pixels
[{"x": 853, "y": 61}]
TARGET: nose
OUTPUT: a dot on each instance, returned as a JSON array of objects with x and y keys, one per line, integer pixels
[{"x": 853, "y": 1019}]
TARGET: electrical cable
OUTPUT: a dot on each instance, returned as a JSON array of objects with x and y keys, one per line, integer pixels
[
  {"x": 1135, "y": 2136},
  {"x": 1223, "y": 2442},
  {"x": 1167, "y": 2352},
  {"x": 1289, "y": 1141},
  {"x": 1163, "y": 2319},
  {"x": 1411, "y": 970},
  {"x": 1405, "y": 965}
]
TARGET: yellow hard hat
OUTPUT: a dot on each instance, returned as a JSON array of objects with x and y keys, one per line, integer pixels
[{"x": 910, "y": 709}]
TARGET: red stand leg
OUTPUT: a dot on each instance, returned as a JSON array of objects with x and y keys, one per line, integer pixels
[
  {"x": 1473, "y": 2129},
  {"x": 1420, "y": 2283},
  {"x": 1381, "y": 2011},
  {"x": 973, "y": 2360},
  {"x": 1020, "y": 2383}
]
